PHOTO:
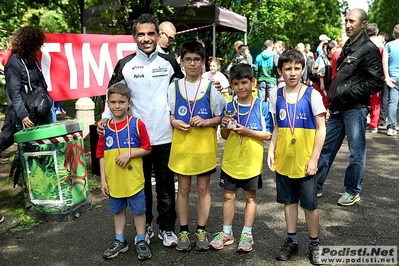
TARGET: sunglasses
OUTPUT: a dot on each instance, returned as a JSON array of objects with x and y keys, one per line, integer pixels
[{"x": 170, "y": 38}]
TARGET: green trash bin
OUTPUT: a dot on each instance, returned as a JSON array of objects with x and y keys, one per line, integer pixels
[{"x": 53, "y": 163}]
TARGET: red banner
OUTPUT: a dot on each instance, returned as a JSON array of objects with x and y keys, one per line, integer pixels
[{"x": 80, "y": 65}]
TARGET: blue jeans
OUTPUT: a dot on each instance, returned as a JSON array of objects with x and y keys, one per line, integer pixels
[
  {"x": 351, "y": 123},
  {"x": 393, "y": 105},
  {"x": 263, "y": 86}
]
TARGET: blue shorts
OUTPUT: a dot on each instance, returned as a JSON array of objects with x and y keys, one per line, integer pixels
[
  {"x": 293, "y": 190},
  {"x": 135, "y": 202}
]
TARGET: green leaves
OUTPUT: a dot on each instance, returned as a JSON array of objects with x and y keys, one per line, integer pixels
[
  {"x": 385, "y": 14},
  {"x": 292, "y": 21}
]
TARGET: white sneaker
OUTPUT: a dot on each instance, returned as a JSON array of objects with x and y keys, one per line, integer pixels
[
  {"x": 372, "y": 130},
  {"x": 149, "y": 229},
  {"x": 147, "y": 240},
  {"x": 168, "y": 238},
  {"x": 176, "y": 183},
  {"x": 392, "y": 132}
]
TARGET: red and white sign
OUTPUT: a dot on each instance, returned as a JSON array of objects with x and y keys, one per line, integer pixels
[{"x": 80, "y": 65}]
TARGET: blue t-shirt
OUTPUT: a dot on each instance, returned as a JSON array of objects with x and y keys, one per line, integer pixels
[
  {"x": 319, "y": 51},
  {"x": 392, "y": 50},
  {"x": 266, "y": 125}
]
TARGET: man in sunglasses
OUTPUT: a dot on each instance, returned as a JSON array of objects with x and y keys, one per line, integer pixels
[{"x": 167, "y": 33}]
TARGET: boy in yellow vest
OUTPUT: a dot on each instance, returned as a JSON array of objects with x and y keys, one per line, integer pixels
[
  {"x": 195, "y": 106},
  {"x": 246, "y": 125},
  {"x": 294, "y": 151},
  {"x": 120, "y": 150}
]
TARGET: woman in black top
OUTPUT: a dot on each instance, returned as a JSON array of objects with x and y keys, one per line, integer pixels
[{"x": 23, "y": 75}]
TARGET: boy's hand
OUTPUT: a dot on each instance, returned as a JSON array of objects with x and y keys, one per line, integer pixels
[
  {"x": 270, "y": 161},
  {"x": 198, "y": 121},
  {"x": 100, "y": 126},
  {"x": 217, "y": 85},
  {"x": 123, "y": 159},
  {"x": 241, "y": 130},
  {"x": 225, "y": 121},
  {"x": 390, "y": 82},
  {"x": 180, "y": 125},
  {"x": 104, "y": 189},
  {"x": 311, "y": 167}
]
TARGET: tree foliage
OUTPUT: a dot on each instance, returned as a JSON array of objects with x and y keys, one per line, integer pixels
[
  {"x": 385, "y": 14},
  {"x": 52, "y": 15},
  {"x": 292, "y": 21}
]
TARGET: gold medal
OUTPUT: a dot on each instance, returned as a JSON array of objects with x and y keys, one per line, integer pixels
[
  {"x": 129, "y": 167},
  {"x": 292, "y": 125}
]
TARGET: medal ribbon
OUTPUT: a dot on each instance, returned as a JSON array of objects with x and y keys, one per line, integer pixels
[
  {"x": 249, "y": 114},
  {"x": 292, "y": 125},
  {"x": 128, "y": 137},
  {"x": 191, "y": 110}
]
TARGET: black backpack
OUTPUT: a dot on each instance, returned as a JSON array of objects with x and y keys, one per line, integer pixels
[
  {"x": 327, "y": 72},
  {"x": 37, "y": 100}
]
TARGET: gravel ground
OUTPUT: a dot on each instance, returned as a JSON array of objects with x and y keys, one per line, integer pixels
[{"x": 373, "y": 221}]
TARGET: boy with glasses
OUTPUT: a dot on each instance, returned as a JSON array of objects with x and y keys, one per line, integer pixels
[{"x": 195, "y": 109}]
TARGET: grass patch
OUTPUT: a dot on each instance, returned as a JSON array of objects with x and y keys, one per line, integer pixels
[{"x": 25, "y": 221}]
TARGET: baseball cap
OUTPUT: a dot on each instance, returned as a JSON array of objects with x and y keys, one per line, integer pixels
[{"x": 324, "y": 37}]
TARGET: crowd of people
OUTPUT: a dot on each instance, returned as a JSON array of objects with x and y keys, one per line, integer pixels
[{"x": 297, "y": 91}]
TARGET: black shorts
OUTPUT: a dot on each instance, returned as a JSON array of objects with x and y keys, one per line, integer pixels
[
  {"x": 231, "y": 183},
  {"x": 293, "y": 190},
  {"x": 208, "y": 173}
]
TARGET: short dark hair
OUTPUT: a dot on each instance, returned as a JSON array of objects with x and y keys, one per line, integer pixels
[
  {"x": 362, "y": 13},
  {"x": 192, "y": 46},
  {"x": 331, "y": 45},
  {"x": 291, "y": 55},
  {"x": 384, "y": 35},
  {"x": 241, "y": 71},
  {"x": 143, "y": 19},
  {"x": 119, "y": 88}
]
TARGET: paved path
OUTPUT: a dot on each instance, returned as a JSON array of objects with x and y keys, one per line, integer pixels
[{"x": 374, "y": 221}]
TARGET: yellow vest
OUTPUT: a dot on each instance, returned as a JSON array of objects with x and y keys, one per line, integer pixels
[{"x": 194, "y": 151}]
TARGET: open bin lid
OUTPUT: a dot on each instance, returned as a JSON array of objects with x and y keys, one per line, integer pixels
[{"x": 48, "y": 131}]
